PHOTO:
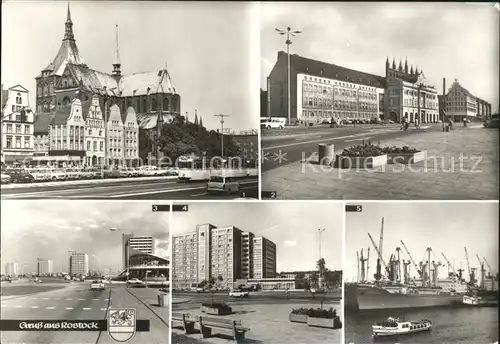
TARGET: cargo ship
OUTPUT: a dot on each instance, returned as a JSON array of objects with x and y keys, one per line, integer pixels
[{"x": 363, "y": 297}]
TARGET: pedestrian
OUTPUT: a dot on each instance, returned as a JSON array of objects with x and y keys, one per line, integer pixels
[
  {"x": 465, "y": 122},
  {"x": 450, "y": 123},
  {"x": 417, "y": 123}
]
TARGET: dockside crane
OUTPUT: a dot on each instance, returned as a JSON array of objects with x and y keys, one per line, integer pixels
[
  {"x": 363, "y": 271},
  {"x": 483, "y": 271},
  {"x": 469, "y": 270},
  {"x": 489, "y": 268},
  {"x": 378, "y": 274},
  {"x": 411, "y": 258},
  {"x": 450, "y": 266},
  {"x": 368, "y": 264},
  {"x": 357, "y": 259}
]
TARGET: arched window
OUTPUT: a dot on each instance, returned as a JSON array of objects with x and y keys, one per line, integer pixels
[
  {"x": 165, "y": 104},
  {"x": 66, "y": 101},
  {"x": 45, "y": 90}
]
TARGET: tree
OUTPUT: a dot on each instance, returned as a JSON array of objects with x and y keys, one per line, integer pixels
[
  {"x": 202, "y": 284},
  {"x": 211, "y": 281},
  {"x": 201, "y": 122},
  {"x": 220, "y": 279},
  {"x": 196, "y": 119}
]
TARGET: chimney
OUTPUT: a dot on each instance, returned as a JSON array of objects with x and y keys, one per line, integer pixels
[{"x": 444, "y": 86}]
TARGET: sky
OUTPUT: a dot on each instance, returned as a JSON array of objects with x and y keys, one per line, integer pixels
[
  {"x": 446, "y": 40},
  {"x": 293, "y": 227},
  {"x": 445, "y": 227},
  {"x": 49, "y": 229},
  {"x": 210, "y": 49}
]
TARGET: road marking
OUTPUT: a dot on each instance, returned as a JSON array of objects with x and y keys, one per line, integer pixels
[
  {"x": 69, "y": 308},
  {"x": 57, "y": 298},
  {"x": 45, "y": 298},
  {"x": 106, "y": 299},
  {"x": 87, "y": 309},
  {"x": 307, "y": 137},
  {"x": 82, "y": 299},
  {"x": 362, "y": 138},
  {"x": 104, "y": 309},
  {"x": 93, "y": 299},
  {"x": 19, "y": 306},
  {"x": 69, "y": 299},
  {"x": 50, "y": 308},
  {"x": 34, "y": 306},
  {"x": 201, "y": 194},
  {"x": 312, "y": 141}
]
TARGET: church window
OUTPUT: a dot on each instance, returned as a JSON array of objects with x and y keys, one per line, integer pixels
[
  {"x": 165, "y": 103},
  {"x": 153, "y": 104}
]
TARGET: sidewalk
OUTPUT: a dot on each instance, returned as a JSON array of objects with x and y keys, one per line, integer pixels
[{"x": 461, "y": 165}]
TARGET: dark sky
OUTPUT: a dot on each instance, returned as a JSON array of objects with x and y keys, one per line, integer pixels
[
  {"x": 445, "y": 227},
  {"x": 50, "y": 228},
  {"x": 208, "y": 48},
  {"x": 292, "y": 226},
  {"x": 446, "y": 40}
]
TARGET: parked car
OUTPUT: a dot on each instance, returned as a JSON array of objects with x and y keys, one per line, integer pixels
[
  {"x": 57, "y": 174},
  {"x": 135, "y": 281},
  {"x": 238, "y": 293},
  {"x": 149, "y": 170},
  {"x": 20, "y": 175},
  {"x": 6, "y": 179},
  {"x": 97, "y": 285},
  {"x": 222, "y": 184}
]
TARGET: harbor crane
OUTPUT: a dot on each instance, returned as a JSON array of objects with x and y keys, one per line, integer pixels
[
  {"x": 450, "y": 266},
  {"x": 381, "y": 240},
  {"x": 363, "y": 269},
  {"x": 357, "y": 256},
  {"x": 381, "y": 259},
  {"x": 411, "y": 258},
  {"x": 469, "y": 270},
  {"x": 483, "y": 271},
  {"x": 489, "y": 268},
  {"x": 368, "y": 264}
]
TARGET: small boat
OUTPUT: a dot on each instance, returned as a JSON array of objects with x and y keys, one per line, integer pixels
[{"x": 394, "y": 326}]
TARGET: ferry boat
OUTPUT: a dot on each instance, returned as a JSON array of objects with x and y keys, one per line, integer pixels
[{"x": 394, "y": 326}]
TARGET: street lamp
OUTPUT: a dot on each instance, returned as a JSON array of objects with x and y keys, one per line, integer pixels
[
  {"x": 288, "y": 32},
  {"x": 221, "y": 133},
  {"x": 127, "y": 263},
  {"x": 320, "y": 230}
]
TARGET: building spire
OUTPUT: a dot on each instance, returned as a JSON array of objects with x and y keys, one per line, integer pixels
[
  {"x": 116, "y": 64},
  {"x": 68, "y": 33}
]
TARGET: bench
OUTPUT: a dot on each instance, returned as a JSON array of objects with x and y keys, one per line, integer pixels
[
  {"x": 209, "y": 323},
  {"x": 183, "y": 318}
]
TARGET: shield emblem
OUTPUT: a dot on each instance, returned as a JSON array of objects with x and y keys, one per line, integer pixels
[{"x": 121, "y": 324}]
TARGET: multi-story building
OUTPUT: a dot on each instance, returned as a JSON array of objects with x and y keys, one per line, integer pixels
[
  {"x": 409, "y": 95},
  {"x": 248, "y": 143},
  {"x": 210, "y": 252},
  {"x": 44, "y": 267},
  {"x": 94, "y": 134},
  {"x": 137, "y": 244},
  {"x": 11, "y": 269},
  {"x": 78, "y": 264},
  {"x": 264, "y": 258},
  {"x": 151, "y": 94},
  {"x": 17, "y": 125},
  {"x": 320, "y": 91},
  {"x": 459, "y": 103}
]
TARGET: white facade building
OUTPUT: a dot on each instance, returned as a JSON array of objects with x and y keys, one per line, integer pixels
[
  {"x": 17, "y": 141},
  {"x": 11, "y": 269},
  {"x": 94, "y": 134},
  {"x": 78, "y": 264}
]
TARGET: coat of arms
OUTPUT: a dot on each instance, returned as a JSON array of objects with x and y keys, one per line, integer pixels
[{"x": 121, "y": 324}]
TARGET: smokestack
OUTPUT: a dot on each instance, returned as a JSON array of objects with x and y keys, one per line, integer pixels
[{"x": 444, "y": 86}]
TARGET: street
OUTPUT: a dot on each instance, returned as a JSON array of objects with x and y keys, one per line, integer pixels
[
  {"x": 282, "y": 147},
  {"x": 159, "y": 188},
  {"x": 75, "y": 301}
]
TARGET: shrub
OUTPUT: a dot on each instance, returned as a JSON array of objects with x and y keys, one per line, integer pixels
[
  {"x": 404, "y": 149},
  {"x": 215, "y": 305},
  {"x": 363, "y": 150},
  {"x": 316, "y": 312}
]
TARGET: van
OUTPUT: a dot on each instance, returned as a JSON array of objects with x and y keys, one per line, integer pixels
[
  {"x": 272, "y": 123},
  {"x": 223, "y": 184}
]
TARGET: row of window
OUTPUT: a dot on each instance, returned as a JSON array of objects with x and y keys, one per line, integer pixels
[
  {"x": 118, "y": 152},
  {"x": 336, "y": 114},
  {"x": 9, "y": 128},
  {"x": 73, "y": 145},
  {"x": 339, "y": 83},
  {"x": 11, "y": 142}
]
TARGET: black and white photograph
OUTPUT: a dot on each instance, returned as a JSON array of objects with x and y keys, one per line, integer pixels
[
  {"x": 129, "y": 100},
  {"x": 379, "y": 100},
  {"x": 257, "y": 273},
  {"x": 421, "y": 273},
  {"x": 79, "y": 262}
]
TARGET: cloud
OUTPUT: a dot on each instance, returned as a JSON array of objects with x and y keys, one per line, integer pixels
[{"x": 289, "y": 243}]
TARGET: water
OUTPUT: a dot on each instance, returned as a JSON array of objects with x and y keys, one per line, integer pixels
[{"x": 449, "y": 326}]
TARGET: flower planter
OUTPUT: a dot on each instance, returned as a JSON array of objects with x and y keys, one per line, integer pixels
[
  {"x": 324, "y": 322},
  {"x": 218, "y": 311},
  {"x": 298, "y": 318},
  {"x": 360, "y": 162},
  {"x": 406, "y": 158}
]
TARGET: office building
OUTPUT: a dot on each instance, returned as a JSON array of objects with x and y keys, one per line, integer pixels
[
  {"x": 144, "y": 244},
  {"x": 459, "y": 103},
  {"x": 78, "y": 264},
  {"x": 221, "y": 254},
  {"x": 44, "y": 267},
  {"x": 11, "y": 269}
]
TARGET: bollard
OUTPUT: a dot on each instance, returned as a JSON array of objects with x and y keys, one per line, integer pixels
[
  {"x": 326, "y": 154},
  {"x": 162, "y": 300}
]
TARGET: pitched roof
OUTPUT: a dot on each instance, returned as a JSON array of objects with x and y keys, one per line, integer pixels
[
  {"x": 93, "y": 80},
  {"x": 62, "y": 113},
  {"x": 157, "y": 82},
  {"x": 326, "y": 70},
  {"x": 148, "y": 120}
]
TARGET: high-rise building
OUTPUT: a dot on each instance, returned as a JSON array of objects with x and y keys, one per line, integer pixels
[
  {"x": 78, "y": 264},
  {"x": 145, "y": 244},
  {"x": 264, "y": 258},
  {"x": 44, "y": 266},
  {"x": 223, "y": 254},
  {"x": 11, "y": 269}
]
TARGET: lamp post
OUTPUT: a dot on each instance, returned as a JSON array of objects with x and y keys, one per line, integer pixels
[
  {"x": 221, "y": 133},
  {"x": 320, "y": 279},
  {"x": 289, "y": 32},
  {"x": 127, "y": 247}
]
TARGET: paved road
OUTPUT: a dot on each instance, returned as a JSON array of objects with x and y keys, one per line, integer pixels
[
  {"x": 152, "y": 189},
  {"x": 301, "y": 143},
  {"x": 186, "y": 300},
  {"x": 74, "y": 301}
]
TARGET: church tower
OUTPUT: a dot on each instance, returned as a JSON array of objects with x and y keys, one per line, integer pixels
[{"x": 117, "y": 73}]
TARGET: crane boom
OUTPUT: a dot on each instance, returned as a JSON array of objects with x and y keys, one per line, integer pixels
[
  {"x": 489, "y": 266},
  {"x": 378, "y": 252},
  {"x": 467, "y": 260},
  {"x": 479, "y": 260},
  {"x": 411, "y": 258},
  {"x": 381, "y": 240},
  {"x": 449, "y": 264}
]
